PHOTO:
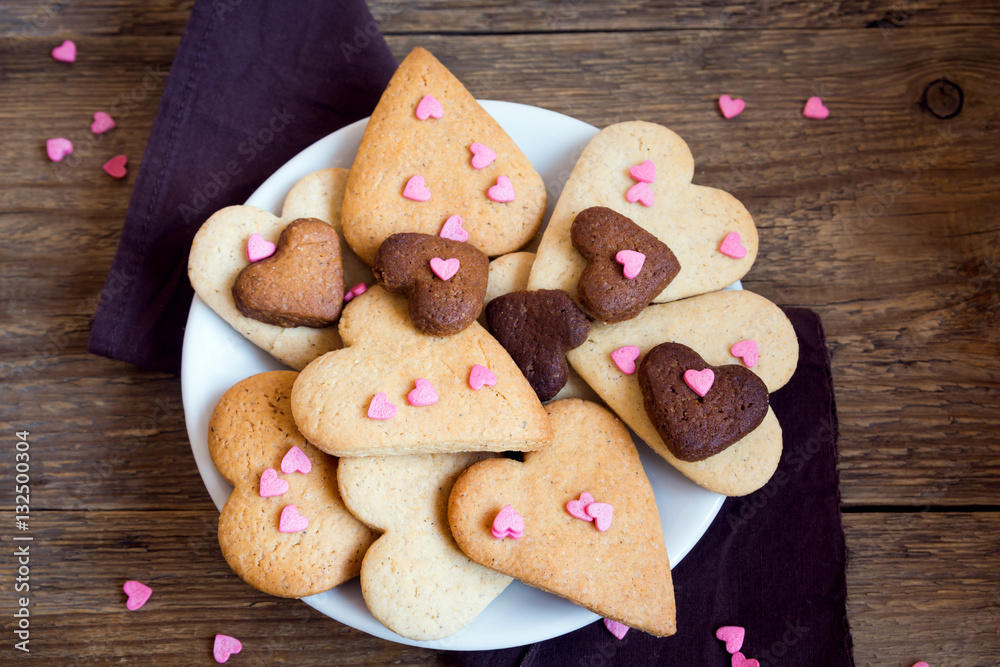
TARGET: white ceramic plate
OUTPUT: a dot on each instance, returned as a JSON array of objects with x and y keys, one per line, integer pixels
[{"x": 216, "y": 357}]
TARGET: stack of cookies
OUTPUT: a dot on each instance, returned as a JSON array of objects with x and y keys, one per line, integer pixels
[{"x": 459, "y": 410}]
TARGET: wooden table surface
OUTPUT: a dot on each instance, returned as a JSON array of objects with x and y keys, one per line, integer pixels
[{"x": 882, "y": 218}]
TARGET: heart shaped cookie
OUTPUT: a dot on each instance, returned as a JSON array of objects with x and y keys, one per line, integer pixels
[
  {"x": 397, "y": 145},
  {"x": 622, "y": 573},
  {"x": 691, "y": 219},
  {"x": 627, "y": 267}
]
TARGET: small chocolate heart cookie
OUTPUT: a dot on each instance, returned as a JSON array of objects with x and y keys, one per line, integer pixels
[
  {"x": 699, "y": 416},
  {"x": 301, "y": 284},
  {"x": 626, "y": 265},
  {"x": 444, "y": 279},
  {"x": 537, "y": 328}
]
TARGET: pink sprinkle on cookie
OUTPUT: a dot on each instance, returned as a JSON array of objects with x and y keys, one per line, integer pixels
[
  {"x": 429, "y": 107},
  {"x": 295, "y": 460},
  {"x": 732, "y": 246},
  {"x": 357, "y": 290},
  {"x": 224, "y": 647},
  {"x": 271, "y": 485},
  {"x": 640, "y": 192},
  {"x": 616, "y": 628},
  {"x": 452, "y": 229},
  {"x": 730, "y": 107},
  {"x": 445, "y": 269},
  {"x": 733, "y": 636},
  {"x": 602, "y": 513},
  {"x": 138, "y": 593},
  {"x": 624, "y": 358},
  {"x": 58, "y": 148},
  {"x": 102, "y": 123},
  {"x": 578, "y": 508},
  {"x": 482, "y": 156},
  {"x": 699, "y": 381},
  {"x": 480, "y": 376},
  {"x": 815, "y": 109},
  {"x": 415, "y": 189},
  {"x": 508, "y": 523},
  {"x": 65, "y": 52},
  {"x": 740, "y": 660},
  {"x": 291, "y": 521},
  {"x": 747, "y": 351},
  {"x": 423, "y": 394},
  {"x": 115, "y": 167},
  {"x": 502, "y": 192},
  {"x": 258, "y": 248},
  {"x": 645, "y": 172},
  {"x": 631, "y": 262},
  {"x": 381, "y": 408}
]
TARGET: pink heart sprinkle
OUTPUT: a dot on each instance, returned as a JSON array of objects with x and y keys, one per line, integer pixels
[
  {"x": 480, "y": 376},
  {"x": 602, "y": 514},
  {"x": 271, "y": 485},
  {"x": 291, "y": 521},
  {"x": 115, "y": 167},
  {"x": 616, "y": 628},
  {"x": 733, "y": 636},
  {"x": 731, "y": 107},
  {"x": 102, "y": 123},
  {"x": 416, "y": 190},
  {"x": 482, "y": 156},
  {"x": 295, "y": 460},
  {"x": 65, "y": 52},
  {"x": 424, "y": 394},
  {"x": 740, "y": 660},
  {"x": 732, "y": 246},
  {"x": 631, "y": 262},
  {"x": 381, "y": 408},
  {"x": 138, "y": 593},
  {"x": 699, "y": 381},
  {"x": 508, "y": 523},
  {"x": 452, "y": 229},
  {"x": 578, "y": 508},
  {"x": 502, "y": 192},
  {"x": 814, "y": 109},
  {"x": 747, "y": 351},
  {"x": 640, "y": 192},
  {"x": 445, "y": 268},
  {"x": 624, "y": 358},
  {"x": 258, "y": 248},
  {"x": 357, "y": 290},
  {"x": 429, "y": 107},
  {"x": 921, "y": 664},
  {"x": 645, "y": 172},
  {"x": 58, "y": 148},
  {"x": 224, "y": 647}
]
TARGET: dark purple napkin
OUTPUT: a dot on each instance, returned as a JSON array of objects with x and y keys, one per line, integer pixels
[
  {"x": 252, "y": 84},
  {"x": 773, "y": 562}
]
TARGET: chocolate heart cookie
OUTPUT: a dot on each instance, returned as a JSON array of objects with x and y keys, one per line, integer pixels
[
  {"x": 301, "y": 284},
  {"x": 444, "y": 279},
  {"x": 537, "y": 328},
  {"x": 699, "y": 410},
  {"x": 627, "y": 267}
]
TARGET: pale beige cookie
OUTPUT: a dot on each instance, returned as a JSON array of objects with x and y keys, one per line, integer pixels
[
  {"x": 218, "y": 254},
  {"x": 398, "y": 146},
  {"x": 692, "y": 220},
  {"x": 383, "y": 357},
  {"x": 414, "y": 579},
  {"x": 621, "y": 573},
  {"x": 710, "y": 324},
  {"x": 251, "y": 431}
]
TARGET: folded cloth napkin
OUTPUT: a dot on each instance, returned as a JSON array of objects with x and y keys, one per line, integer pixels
[
  {"x": 252, "y": 84},
  {"x": 773, "y": 562}
]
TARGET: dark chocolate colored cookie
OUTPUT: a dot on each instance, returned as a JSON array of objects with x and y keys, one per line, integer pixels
[
  {"x": 537, "y": 328},
  {"x": 301, "y": 284},
  {"x": 441, "y": 303},
  {"x": 605, "y": 290},
  {"x": 695, "y": 427}
]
